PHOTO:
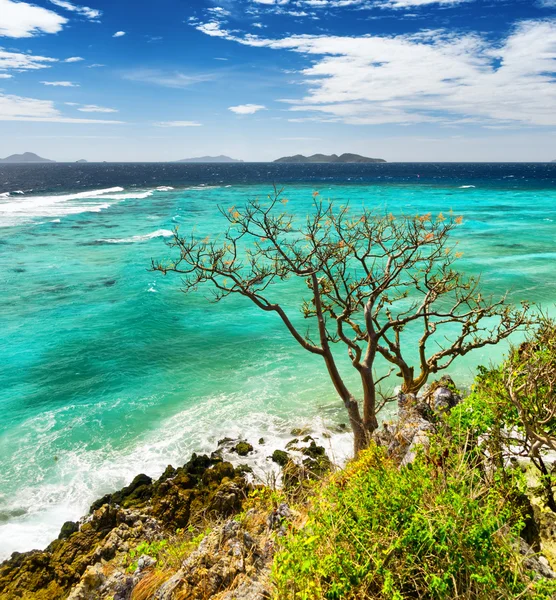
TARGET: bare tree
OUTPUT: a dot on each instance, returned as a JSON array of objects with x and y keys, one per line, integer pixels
[{"x": 370, "y": 278}]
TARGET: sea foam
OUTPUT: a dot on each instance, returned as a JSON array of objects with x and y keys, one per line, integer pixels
[{"x": 139, "y": 238}]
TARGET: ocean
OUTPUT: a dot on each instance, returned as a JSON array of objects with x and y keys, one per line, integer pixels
[{"x": 108, "y": 370}]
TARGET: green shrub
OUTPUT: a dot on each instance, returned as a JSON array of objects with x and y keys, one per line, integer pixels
[{"x": 433, "y": 530}]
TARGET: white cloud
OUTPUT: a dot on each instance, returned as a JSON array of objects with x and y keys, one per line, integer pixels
[
  {"x": 95, "y": 66},
  {"x": 5, "y": 76},
  {"x": 73, "y": 59},
  {"x": 119, "y": 34},
  {"x": 23, "y": 62},
  {"x": 60, "y": 83},
  {"x": 177, "y": 124},
  {"x": 432, "y": 76},
  {"x": 172, "y": 80},
  {"x": 23, "y": 20},
  {"x": 95, "y": 108},
  {"x": 91, "y": 13},
  {"x": 298, "y": 8},
  {"x": 246, "y": 109},
  {"x": 18, "y": 108}
]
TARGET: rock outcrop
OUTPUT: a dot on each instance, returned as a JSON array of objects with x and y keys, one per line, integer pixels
[{"x": 145, "y": 510}]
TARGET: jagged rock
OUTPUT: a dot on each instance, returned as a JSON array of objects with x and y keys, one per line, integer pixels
[
  {"x": 280, "y": 457},
  {"x": 444, "y": 394},
  {"x": 416, "y": 421},
  {"x": 278, "y": 517},
  {"x": 227, "y": 499},
  {"x": 261, "y": 441},
  {"x": 535, "y": 562},
  {"x": 228, "y": 557}
]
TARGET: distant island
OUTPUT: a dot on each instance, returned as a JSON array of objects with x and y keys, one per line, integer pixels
[
  {"x": 81, "y": 160},
  {"x": 26, "y": 157},
  {"x": 329, "y": 158},
  {"x": 210, "y": 159}
]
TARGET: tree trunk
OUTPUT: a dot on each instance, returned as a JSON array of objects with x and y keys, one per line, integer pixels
[
  {"x": 360, "y": 437},
  {"x": 360, "y": 434},
  {"x": 369, "y": 400}
]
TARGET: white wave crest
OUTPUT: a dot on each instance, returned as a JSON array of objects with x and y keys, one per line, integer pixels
[
  {"x": 26, "y": 210},
  {"x": 466, "y": 187},
  {"x": 164, "y": 188},
  {"x": 139, "y": 238}
]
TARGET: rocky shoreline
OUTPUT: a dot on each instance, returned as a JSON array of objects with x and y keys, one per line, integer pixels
[
  {"x": 226, "y": 541},
  {"x": 88, "y": 560}
]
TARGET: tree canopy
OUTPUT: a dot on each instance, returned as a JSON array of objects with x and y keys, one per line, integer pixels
[{"x": 369, "y": 277}]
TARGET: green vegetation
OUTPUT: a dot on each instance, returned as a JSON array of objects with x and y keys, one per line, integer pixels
[{"x": 431, "y": 531}]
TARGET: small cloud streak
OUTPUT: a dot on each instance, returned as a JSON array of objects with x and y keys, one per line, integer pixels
[
  {"x": 73, "y": 59},
  {"x": 90, "y": 13},
  {"x": 60, "y": 83},
  {"x": 119, "y": 34},
  {"x": 19, "y": 108},
  {"x": 96, "y": 109},
  {"x": 247, "y": 109},
  {"x": 165, "y": 79},
  {"x": 177, "y": 124}
]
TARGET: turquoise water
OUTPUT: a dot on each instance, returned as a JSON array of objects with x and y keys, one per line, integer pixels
[{"x": 108, "y": 370}]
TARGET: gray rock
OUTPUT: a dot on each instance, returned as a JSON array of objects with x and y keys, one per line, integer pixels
[{"x": 145, "y": 562}]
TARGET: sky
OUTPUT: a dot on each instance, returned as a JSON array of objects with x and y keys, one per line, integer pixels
[{"x": 403, "y": 80}]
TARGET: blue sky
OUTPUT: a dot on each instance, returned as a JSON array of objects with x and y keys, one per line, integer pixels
[{"x": 405, "y": 80}]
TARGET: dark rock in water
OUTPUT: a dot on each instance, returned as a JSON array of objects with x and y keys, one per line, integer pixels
[
  {"x": 314, "y": 451},
  {"x": 18, "y": 270},
  {"x": 243, "y": 448},
  {"x": 68, "y": 528},
  {"x": 280, "y": 457},
  {"x": 109, "y": 282},
  {"x": 299, "y": 431},
  {"x": 291, "y": 445},
  {"x": 224, "y": 441},
  {"x": 243, "y": 469},
  {"x": 261, "y": 441}
]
